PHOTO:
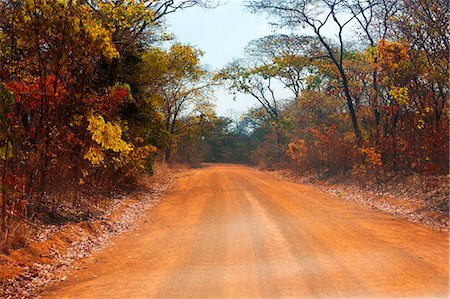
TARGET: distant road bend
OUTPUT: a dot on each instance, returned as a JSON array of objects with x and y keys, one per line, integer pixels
[{"x": 229, "y": 231}]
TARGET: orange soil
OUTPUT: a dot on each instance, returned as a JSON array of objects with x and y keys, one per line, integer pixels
[{"x": 232, "y": 232}]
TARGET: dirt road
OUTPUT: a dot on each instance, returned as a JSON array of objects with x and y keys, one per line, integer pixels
[{"x": 233, "y": 232}]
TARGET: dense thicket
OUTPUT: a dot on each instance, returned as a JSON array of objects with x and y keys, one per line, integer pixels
[
  {"x": 87, "y": 97},
  {"x": 368, "y": 86}
]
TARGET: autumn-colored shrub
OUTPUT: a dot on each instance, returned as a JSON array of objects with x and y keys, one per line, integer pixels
[{"x": 79, "y": 110}]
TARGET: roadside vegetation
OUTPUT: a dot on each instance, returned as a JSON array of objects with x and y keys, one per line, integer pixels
[
  {"x": 373, "y": 100},
  {"x": 90, "y": 95}
]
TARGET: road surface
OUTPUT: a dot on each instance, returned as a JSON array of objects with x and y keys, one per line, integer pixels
[{"x": 229, "y": 231}]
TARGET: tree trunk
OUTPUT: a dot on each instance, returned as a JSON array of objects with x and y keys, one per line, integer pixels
[
  {"x": 351, "y": 108},
  {"x": 394, "y": 142},
  {"x": 168, "y": 152},
  {"x": 4, "y": 193}
]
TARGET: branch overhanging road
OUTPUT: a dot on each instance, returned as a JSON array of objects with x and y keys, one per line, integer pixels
[{"x": 230, "y": 231}]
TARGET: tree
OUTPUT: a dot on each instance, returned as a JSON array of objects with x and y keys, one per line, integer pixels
[
  {"x": 373, "y": 19},
  {"x": 287, "y": 58},
  {"x": 50, "y": 52},
  {"x": 316, "y": 15},
  {"x": 255, "y": 81},
  {"x": 7, "y": 136},
  {"x": 175, "y": 79},
  {"x": 75, "y": 114},
  {"x": 423, "y": 26}
]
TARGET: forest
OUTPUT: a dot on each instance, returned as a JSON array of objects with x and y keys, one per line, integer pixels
[{"x": 93, "y": 93}]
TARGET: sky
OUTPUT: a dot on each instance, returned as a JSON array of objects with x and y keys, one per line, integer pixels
[{"x": 222, "y": 34}]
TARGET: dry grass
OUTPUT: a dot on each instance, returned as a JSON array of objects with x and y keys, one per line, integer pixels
[{"x": 163, "y": 174}]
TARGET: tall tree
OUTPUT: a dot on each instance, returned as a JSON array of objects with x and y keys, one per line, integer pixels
[
  {"x": 374, "y": 19},
  {"x": 287, "y": 58},
  {"x": 175, "y": 79},
  {"x": 256, "y": 81},
  {"x": 317, "y": 15}
]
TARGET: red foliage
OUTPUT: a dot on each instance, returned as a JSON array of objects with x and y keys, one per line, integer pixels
[
  {"x": 391, "y": 109},
  {"x": 325, "y": 136},
  {"x": 36, "y": 92},
  {"x": 112, "y": 100}
]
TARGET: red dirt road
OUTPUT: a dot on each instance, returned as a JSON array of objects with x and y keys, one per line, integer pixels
[{"x": 229, "y": 231}]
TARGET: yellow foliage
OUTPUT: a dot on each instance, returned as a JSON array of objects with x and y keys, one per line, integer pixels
[
  {"x": 400, "y": 95},
  {"x": 83, "y": 28},
  {"x": 371, "y": 53},
  {"x": 107, "y": 134},
  {"x": 140, "y": 156},
  {"x": 95, "y": 156},
  {"x": 420, "y": 124},
  {"x": 6, "y": 149}
]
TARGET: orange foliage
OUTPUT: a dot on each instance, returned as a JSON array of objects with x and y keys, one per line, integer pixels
[{"x": 390, "y": 55}]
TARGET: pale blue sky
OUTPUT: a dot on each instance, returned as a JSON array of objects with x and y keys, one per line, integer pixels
[{"x": 222, "y": 33}]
